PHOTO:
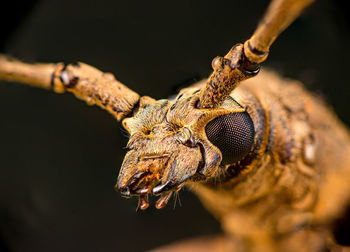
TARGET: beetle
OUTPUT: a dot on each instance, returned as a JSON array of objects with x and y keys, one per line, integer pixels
[{"x": 145, "y": 104}]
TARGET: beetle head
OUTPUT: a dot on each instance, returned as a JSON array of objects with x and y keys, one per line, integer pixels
[{"x": 169, "y": 145}]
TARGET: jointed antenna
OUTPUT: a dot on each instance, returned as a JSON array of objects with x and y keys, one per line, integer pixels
[
  {"x": 242, "y": 61},
  {"x": 85, "y": 82},
  {"x": 95, "y": 87}
]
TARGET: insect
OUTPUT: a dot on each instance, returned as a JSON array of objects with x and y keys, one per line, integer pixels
[{"x": 148, "y": 172}]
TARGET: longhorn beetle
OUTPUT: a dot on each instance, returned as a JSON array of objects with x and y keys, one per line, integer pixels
[{"x": 256, "y": 148}]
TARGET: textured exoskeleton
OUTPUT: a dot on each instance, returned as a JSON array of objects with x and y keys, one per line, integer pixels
[
  {"x": 261, "y": 153},
  {"x": 287, "y": 191}
]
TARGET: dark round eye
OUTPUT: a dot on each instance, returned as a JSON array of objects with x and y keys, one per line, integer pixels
[{"x": 233, "y": 134}]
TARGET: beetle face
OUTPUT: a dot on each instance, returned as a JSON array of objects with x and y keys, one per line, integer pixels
[{"x": 169, "y": 145}]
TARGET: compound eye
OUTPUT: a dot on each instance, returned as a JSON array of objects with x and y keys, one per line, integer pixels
[{"x": 233, "y": 134}]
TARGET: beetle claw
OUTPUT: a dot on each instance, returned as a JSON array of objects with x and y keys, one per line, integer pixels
[
  {"x": 143, "y": 203},
  {"x": 161, "y": 188},
  {"x": 163, "y": 200}
]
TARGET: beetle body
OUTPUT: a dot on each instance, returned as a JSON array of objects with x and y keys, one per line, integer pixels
[
  {"x": 267, "y": 158},
  {"x": 286, "y": 193}
]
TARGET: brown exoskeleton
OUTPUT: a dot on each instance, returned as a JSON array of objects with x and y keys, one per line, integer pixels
[{"x": 259, "y": 156}]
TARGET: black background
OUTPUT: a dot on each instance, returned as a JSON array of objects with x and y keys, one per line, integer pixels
[{"x": 59, "y": 158}]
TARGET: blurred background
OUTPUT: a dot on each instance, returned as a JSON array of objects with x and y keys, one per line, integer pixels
[{"x": 60, "y": 158}]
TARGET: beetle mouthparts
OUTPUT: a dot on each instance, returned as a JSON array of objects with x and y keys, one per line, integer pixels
[
  {"x": 147, "y": 180},
  {"x": 162, "y": 201},
  {"x": 143, "y": 203},
  {"x": 144, "y": 192},
  {"x": 143, "y": 184}
]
